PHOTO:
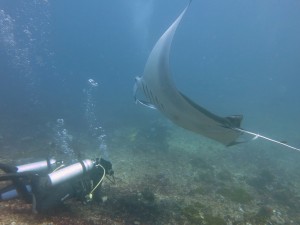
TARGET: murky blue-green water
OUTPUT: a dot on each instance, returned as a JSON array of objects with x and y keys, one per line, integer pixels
[{"x": 67, "y": 70}]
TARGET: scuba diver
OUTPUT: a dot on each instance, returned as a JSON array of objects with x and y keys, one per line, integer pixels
[{"x": 47, "y": 184}]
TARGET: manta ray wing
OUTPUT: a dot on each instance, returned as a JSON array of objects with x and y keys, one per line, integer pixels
[{"x": 161, "y": 93}]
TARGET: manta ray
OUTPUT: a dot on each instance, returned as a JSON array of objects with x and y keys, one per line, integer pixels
[{"x": 161, "y": 93}]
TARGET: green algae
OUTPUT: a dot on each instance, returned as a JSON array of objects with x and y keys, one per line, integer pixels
[
  {"x": 214, "y": 220},
  {"x": 261, "y": 217},
  {"x": 236, "y": 194},
  {"x": 193, "y": 213},
  {"x": 225, "y": 175},
  {"x": 196, "y": 213},
  {"x": 205, "y": 177},
  {"x": 198, "y": 191},
  {"x": 148, "y": 195},
  {"x": 199, "y": 163},
  {"x": 263, "y": 214},
  {"x": 264, "y": 179}
]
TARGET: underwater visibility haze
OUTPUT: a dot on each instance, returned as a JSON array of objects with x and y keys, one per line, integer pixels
[{"x": 66, "y": 74}]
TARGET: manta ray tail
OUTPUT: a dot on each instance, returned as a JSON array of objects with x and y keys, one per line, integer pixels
[{"x": 255, "y": 136}]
